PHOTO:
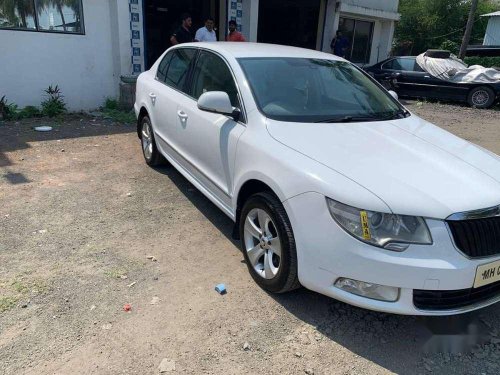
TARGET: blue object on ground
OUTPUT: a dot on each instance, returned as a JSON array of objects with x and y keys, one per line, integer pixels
[{"x": 221, "y": 289}]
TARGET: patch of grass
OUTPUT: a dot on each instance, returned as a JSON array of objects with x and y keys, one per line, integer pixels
[
  {"x": 20, "y": 287},
  {"x": 7, "y": 303},
  {"x": 34, "y": 286},
  {"x": 115, "y": 273},
  {"x": 112, "y": 111},
  {"x": 119, "y": 116}
]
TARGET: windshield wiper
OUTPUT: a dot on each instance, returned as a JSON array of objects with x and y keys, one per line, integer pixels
[
  {"x": 349, "y": 119},
  {"x": 402, "y": 113}
]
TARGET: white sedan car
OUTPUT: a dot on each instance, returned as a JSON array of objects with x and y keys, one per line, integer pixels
[{"x": 331, "y": 182}]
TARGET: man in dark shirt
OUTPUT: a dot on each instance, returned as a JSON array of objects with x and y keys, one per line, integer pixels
[
  {"x": 340, "y": 44},
  {"x": 183, "y": 33}
]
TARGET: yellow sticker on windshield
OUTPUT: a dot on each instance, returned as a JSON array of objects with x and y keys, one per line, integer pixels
[{"x": 364, "y": 225}]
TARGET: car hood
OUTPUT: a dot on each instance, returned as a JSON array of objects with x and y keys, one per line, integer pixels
[{"x": 415, "y": 167}]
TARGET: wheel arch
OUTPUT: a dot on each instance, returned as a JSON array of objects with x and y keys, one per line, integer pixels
[
  {"x": 248, "y": 188},
  {"x": 485, "y": 84},
  {"x": 142, "y": 113}
]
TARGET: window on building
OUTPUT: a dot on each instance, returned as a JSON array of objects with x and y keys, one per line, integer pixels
[
  {"x": 359, "y": 33},
  {"x": 64, "y": 16}
]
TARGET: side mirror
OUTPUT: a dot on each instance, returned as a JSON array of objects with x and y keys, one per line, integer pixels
[
  {"x": 218, "y": 102},
  {"x": 394, "y": 94}
]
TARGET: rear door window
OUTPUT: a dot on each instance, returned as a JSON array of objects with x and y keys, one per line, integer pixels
[
  {"x": 178, "y": 68},
  {"x": 162, "y": 68},
  {"x": 407, "y": 65}
]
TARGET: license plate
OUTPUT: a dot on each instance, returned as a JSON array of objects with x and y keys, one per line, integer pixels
[{"x": 487, "y": 274}]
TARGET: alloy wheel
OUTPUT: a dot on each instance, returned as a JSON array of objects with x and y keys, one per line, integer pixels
[
  {"x": 147, "y": 142},
  {"x": 262, "y": 243},
  {"x": 480, "y": 97}
]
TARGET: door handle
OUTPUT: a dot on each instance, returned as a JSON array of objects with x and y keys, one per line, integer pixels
[
  {"x": 153, "y": 97},
  {"x": 427, "y": 76},
  {"x": 183, "y": 115}
]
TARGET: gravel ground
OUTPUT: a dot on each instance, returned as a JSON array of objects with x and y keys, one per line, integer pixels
[{"x": 81, "y": 215}]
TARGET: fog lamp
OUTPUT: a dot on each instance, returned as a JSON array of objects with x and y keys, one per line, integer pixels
[{"x": 368, "y": 290}]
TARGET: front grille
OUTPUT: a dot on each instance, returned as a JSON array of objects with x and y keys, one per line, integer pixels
[
  {"x": 453, "y": 299},
  {"x": 477, "y": 237}
]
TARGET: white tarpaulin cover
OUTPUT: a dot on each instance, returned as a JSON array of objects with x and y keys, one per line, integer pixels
[{"x": 454, "y": 70}]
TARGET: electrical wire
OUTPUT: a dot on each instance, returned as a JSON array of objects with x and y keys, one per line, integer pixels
[{"x": 453, "y": 32}]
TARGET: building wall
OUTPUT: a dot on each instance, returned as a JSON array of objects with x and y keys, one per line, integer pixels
[
  {"x": 382, "y": 13},
  {"x": 84, "y": 66},
  {"x": 88, "y": 67},
  {"x": 385, "y": 5},
  {"x": 492, "y": 36}
]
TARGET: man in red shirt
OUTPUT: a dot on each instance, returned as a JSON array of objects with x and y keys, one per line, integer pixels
[{"x": 234, "y": 36}]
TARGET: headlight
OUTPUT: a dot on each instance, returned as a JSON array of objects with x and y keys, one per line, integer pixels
[{"x": 393, "y": 232}]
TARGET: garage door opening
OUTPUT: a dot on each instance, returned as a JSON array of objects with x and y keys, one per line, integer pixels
[
  {"x": 293, "y": 23},
  {"x": 163, "y": 17}
]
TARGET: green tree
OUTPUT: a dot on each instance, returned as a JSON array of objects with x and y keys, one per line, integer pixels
[
  {"x": 8, "y": 16},
  {"x": 429, "y": 24},
  {"x": 15, "y": 13},
  {"x": 43, "y": 5}
]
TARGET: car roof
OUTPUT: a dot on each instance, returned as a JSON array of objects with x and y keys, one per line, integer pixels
[{"x": 246, "y": 49}]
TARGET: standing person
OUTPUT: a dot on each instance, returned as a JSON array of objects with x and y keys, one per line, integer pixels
[
  {"x": 206, "y": 33},
  {"x": 234, "y": 36},
  {"x": 183, "y": 33},
  {"x": 339, "y": 45}
]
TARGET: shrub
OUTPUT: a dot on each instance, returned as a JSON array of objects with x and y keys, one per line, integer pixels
[
  {"x": 486, "y": 61},
  {"x": 451, "y": 46},
  {"x": 29, "y": 112},
  {"x": 12, "y": 112},
  {"x": 54, "y": 104},
  {"x": 111, "y": 104},
  {"x": 4, "y": 108},
  {"x": 8, "y": 111}
]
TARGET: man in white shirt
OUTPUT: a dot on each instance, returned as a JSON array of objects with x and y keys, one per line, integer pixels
[{"x": 206, "y": 33}]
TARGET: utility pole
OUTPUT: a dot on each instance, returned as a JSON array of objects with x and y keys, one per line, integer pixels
[{"x": 468, "y": 29}]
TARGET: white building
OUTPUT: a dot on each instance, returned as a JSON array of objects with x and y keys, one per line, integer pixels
[
  {"x": 85, "y": 46},
  {"x": 492, "y": 35}
]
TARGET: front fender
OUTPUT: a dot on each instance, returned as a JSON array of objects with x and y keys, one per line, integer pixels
[{"x": 289, "y": 173}]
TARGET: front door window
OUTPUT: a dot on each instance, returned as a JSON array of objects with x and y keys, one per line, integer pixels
[{"x": 212, "y": 74}]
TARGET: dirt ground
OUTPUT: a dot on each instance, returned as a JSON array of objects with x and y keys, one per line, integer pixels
[{"x": 80, "y": 213}]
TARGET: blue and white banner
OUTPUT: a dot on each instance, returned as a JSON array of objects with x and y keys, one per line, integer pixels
[
  {"x": 235, "y": 12},
  {"x": 136, "y": 36}
]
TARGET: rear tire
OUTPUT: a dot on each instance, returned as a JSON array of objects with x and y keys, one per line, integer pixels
[
  {"x": 150, "y": 152},
  {"x": 268, "y": 243},
  {"x": 481, "y": 97}
]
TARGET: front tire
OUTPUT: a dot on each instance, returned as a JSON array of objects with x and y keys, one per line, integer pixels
[
  {"x": 481, "y": 97},
  {"x": 268, "y": 243},
  {"x": 150, "y": 152}
]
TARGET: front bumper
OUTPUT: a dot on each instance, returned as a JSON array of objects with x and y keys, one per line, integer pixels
[{"x": 326, "y": 252}]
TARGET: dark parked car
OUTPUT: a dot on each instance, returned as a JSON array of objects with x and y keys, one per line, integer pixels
[{"x": 408, "y": 79}]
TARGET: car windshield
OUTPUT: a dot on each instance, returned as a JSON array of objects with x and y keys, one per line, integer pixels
[{"x": 317, "y": 90}]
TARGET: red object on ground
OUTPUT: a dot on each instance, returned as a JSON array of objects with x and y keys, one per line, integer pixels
[{"x": 127, "y": 307}]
